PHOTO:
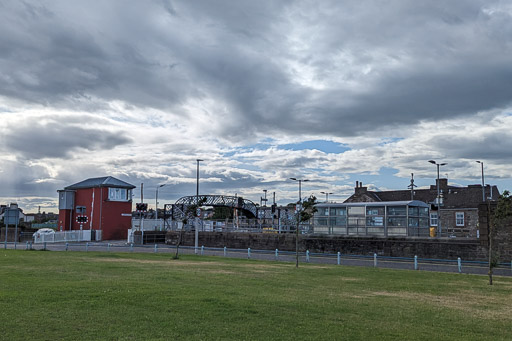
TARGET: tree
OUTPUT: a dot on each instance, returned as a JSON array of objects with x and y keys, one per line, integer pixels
[
  {"x": 222, "y": 213},
  {"x": 502, "y": 211},
  {"x": 190, "y": 212},
  {"x": 305, "y": 213}
]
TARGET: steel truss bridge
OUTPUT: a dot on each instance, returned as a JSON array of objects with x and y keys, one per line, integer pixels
[
  {"x": 181, "y": 207},
  {"x": 183, "y": 211}
]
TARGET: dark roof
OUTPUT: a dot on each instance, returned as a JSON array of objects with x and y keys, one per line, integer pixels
[
  {"x": 106, "y": 181},
  {"x": 453, "y": 197}
]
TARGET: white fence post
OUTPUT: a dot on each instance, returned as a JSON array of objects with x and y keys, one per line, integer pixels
[
  {"x": 131, "y": 247},
  {"x": 307, "y": 256},
  {"x": 202, "y": 250},
  {"x": 108, "y": 247},
  {"x": 225, "y": 251},
  {"x": 277, "y": 254},
  {"x": 459, "y": 264},
  {"x": 339, "y": 258},
  {"x": 248, "y": 252},
  {"x": 415, "y": 262},
  {"x": 156, "y": 248},
  {"x": 86, "y": 247},
  {"x": 375, "y": 260},
  {"x": 27, "y": 246}
]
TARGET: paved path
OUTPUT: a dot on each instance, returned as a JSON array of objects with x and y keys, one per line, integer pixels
[{"x": 283, "y": 256}]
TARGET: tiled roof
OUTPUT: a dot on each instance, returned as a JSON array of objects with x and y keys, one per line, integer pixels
[
  {"x": 106, "y": 181},
  {"x": 454, "y": 197}
]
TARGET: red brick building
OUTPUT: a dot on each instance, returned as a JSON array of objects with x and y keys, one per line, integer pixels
[{"x": 103, "y": 204}]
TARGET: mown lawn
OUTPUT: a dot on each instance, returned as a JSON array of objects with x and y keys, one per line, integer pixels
[{"x": 78, "y": 295}]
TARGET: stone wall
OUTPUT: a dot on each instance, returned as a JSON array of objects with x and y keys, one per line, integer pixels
[
  {"x": 443, "y": 248},
  {"x": 502, "y": 236}
]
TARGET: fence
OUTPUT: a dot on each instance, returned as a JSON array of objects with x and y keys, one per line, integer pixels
[
  {"x": 373, "y": 260},
  {"x": 68, "y": 236}
]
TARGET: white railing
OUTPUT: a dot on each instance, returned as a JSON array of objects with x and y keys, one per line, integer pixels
[{"x": 68, "y": 236}]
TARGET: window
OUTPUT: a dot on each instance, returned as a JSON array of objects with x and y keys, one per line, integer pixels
[
  {"x": 338, "y": 221},
  {"x": 433, "y": 218},
  {"x": 338, "y": 211},
  {"x": 414, "y": 222},
  {"x": 397, "y": 210},
  {"x": 423, "y": 211},
  {"x": 459, "y": 218},
  {"x": 119, "y": 194},
  {"x": 375, "y": 221},
  {"x": 321, "y": 221},
  {"x": 372, "y": 210},
  {"x": 399, "y": 222},
  {"x": 323, "y": 211},
  {"x": 413, "y": 211}
]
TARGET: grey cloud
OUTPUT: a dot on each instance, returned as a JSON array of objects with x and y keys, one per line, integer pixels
[
  {"x": 426, "y": 61},
  {"x": 18, "y": 179},
  {"x": 492, "y": 146},
  {"x": 35, "y": 140}
]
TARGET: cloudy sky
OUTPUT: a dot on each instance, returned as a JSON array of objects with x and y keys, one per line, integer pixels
[{"x": 332, "y": 91}]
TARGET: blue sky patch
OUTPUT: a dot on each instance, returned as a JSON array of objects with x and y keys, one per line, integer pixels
[{"x": 322, "y": 145}]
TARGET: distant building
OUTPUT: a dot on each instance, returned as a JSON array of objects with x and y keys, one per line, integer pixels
[
  {"x": 101, "y": 204},
  {"x": 457, "y": 214},
  {"x": 383, "y": 218}
]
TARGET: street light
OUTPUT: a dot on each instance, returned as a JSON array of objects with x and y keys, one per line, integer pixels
[
  {"x": 326, "y": 196},
  {"x": 483, "y": 184},
  {"x": 156, "y": 200},
  {"x": 298, "y": 220},
  {"x": 438, "y": 196},
  {"x": 196, "y": 238}
]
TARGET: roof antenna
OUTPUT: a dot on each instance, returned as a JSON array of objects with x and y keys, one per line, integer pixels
[{"x": 411, "y": 186}]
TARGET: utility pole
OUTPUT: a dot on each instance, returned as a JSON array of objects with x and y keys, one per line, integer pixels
[
  {"x": 196, "y": 237},
  {"x": 411, "y": 186}
]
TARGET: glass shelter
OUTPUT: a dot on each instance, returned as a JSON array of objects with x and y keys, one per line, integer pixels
[{"x": 391, "y": 218}]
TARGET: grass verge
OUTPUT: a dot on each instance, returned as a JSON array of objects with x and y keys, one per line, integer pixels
[{"x": 76, "y": 295}]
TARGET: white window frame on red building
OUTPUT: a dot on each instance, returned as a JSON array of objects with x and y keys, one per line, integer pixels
[{"x": 119, "y": 194}]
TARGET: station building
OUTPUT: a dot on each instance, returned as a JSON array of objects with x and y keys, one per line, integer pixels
[
  {"x": 386, "y": 219},
  {"x": 97, "y": 204}
]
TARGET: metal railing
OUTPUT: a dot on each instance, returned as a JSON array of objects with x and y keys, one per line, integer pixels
[
  {"x": 68, "y": 236},
  {"x": 372, "y": 260}
]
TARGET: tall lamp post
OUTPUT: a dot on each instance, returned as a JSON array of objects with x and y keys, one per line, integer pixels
[
  {"x": 483, "y": 182},
  {"x": 196, "y": 237},
  {"x": 326, "y": 196},
  {"x": 438, "y": 196},
  {"x": 156, "y": 200},
  {"x": 298, "y": 220}
]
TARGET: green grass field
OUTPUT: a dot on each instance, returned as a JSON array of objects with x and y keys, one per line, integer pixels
[{"x": 78, "y": 295}]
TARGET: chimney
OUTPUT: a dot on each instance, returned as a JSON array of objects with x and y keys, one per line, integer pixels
[
  {"x": 359, "y": 188},
  {"x": 443, "y": 184}
]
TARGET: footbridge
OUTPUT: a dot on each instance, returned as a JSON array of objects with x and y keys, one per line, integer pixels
[{"x": 181, "y": 207}]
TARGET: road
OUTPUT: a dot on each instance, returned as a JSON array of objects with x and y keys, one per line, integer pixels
[{"x": 468, "y": 267}]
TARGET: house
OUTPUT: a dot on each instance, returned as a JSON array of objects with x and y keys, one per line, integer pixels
[
  {"x": 457, "y": 214},
  {"x": 97, "y": 204}
]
